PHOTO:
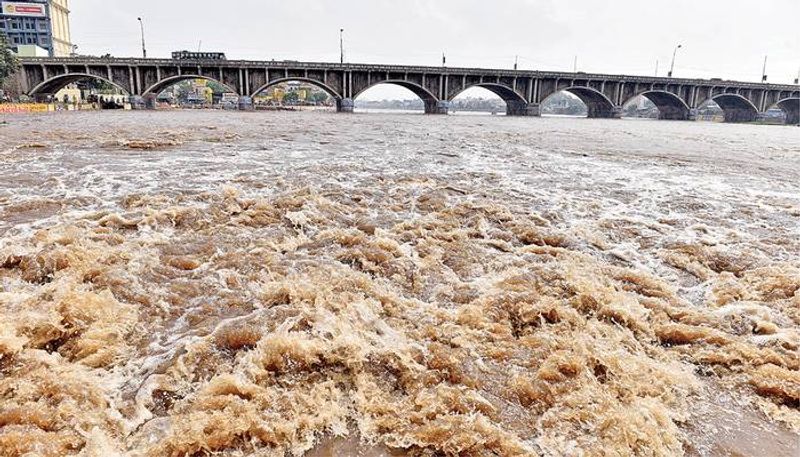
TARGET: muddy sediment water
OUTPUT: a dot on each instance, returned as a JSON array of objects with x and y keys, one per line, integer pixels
[{"x": 271, "y": 284}]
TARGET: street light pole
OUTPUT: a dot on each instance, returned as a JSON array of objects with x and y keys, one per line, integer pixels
[
  {"x": 674, "y": 53},
  {"x": 144, "y": 49},
  {"x": 764, "y": 71},
  {"x": 341, "y": 46},
  {"x": 516, "y": 62}
]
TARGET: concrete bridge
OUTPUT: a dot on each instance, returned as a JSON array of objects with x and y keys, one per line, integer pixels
[{"x": 523, "y": 91}]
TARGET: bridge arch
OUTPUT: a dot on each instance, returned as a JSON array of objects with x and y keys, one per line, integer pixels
[
  {"x": 735, "y": 107},
  {"x": 160, "y": 86},
  {"x": 790, "y": 106},
  {"x": 597, "y": 104},
  {"x": 670, "y": 106},
  {"x": 515, "y": 103},
  {"x": 56, "y": 83},
  {"x": 430, "y": 100},
  {"x": 330, "y": 90}
]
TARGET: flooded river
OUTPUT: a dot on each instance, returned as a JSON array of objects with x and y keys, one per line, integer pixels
[{"x": 300, "y": 283}]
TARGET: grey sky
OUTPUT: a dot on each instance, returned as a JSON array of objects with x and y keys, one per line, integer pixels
[{"x": 726, "y": 39}]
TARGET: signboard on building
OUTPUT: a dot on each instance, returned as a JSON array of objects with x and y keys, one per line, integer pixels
[{"x": 24, "y": 9}]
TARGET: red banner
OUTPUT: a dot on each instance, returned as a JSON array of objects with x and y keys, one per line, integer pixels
[{"x": 24, "y": 9}]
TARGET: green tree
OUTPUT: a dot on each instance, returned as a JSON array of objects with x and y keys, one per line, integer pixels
[
  {"x": 217, "y": 88},
  {"x": 319, "y": 96},
  {"x": 8, "y": 61},
  {"x": 291, "y": 98}
]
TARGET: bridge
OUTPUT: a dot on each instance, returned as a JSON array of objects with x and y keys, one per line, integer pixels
[{"x": 523, "y": 91}]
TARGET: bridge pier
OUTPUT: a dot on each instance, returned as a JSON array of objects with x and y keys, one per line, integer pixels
[
  {"x": 515, "y": 108},
  {"x": 740, "y": 115},
  {"x": 437, "y": 107},
  {"x": 345, "y": 105},
  {"x": 246, "y": 103},
  {"x": 603, "y": 111},
  {"x": 137, "y": 102},
  {"x": 150, "y": 102},
  {"x": 671, "y": 113}
]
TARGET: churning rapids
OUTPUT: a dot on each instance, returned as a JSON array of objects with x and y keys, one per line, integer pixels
[{"x": 288, "y": 284}]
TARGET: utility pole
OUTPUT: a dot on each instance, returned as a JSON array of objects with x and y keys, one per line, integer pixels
[
  {"x": 672, "y": 66},
  {"x": 764, "y": 71},
  {"x": 144, "y": 49},
  {"x": 341, "y": 46}
]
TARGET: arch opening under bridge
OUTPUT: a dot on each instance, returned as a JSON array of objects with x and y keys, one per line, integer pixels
[
  {"x": 52, "y": 85},
  {"x": 296, "y": 91},
  {"x": 668, "y": 105},
  {"x": 513, "y": 103},
  {"x": 563, "y": 103},
  {"x": 430, "y": 103},
  {"x": 197, "y": 95},
  {"x": 313, "y": 82},
  {"x": 477, "y": 100},
  {"x": 791, "y": 108},
  {"x": 734, "y": 107},
  {"x": 597, "y": 105}
]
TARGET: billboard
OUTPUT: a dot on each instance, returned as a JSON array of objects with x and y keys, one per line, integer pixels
[{"x": 24, "y": 9}]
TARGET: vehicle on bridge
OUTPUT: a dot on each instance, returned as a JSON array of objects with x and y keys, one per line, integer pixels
[{"x": 189, "y": 55}]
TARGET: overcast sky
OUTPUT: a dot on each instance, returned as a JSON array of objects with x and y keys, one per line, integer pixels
[{"x": 720, "y": 38}]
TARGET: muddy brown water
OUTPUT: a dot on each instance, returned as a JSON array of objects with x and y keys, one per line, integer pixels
[{"x": 270, "y": 284}]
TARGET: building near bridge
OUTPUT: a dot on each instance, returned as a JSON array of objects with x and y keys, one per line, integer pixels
[
  {"x": 42, "y": 23},
  {"x": 32, "y": 50}
]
